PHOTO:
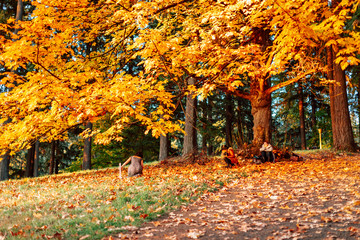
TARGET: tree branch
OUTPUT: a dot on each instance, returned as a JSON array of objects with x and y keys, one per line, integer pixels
[
  {"x": 240, "y": 94},
  {"x": 288, "y": 82},
  {"x": 171, "y": 5}
]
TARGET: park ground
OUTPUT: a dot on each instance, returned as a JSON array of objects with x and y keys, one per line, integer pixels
[
  {"x": 188, "y": 198},
  {"x": 317, "y": 198}
]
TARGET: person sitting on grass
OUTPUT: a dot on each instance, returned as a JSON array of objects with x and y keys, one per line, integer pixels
[
  {"x": 267, "y": 152},
  {"x": 136, "y": 165}
]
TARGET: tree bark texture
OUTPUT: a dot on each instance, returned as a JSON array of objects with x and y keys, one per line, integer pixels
[
  {"x": 4, "y": 166},
  {"x": 343, "y": 137},
  {"x": 313, "y": 112},
  {"x": 302, "y": 117},
  {"x": 164, "y": 147},
  {"x": 240, "y": 124},
  {"x": 87, "y": 149},
  {"x": 36, "y": 159},
  {"x": 229, "y": 116},
  {"x": 261, "y": 111},
  {"x": 209, "y": 119},
  {"x": 358, "y": 107},
  {"x": 5, "y": 158},
  {"x": 29, "y": 170},
  {"x": 190, "y": 140},
  {"x": 52, "y": 158},
  {"x": 260, "y": 100},
  {"x": 205, "y": 131}
]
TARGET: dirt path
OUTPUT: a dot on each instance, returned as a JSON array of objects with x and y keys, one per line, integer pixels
[{"x": 318, "y": 201}]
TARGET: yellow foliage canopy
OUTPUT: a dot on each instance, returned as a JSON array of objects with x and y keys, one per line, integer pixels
[{"x": 76, "y": 53}]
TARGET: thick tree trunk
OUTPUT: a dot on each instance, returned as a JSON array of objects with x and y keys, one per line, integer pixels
[
  {"x": 261, "y": 111},
  {"x": 302, "y": 117},
  {"x": 190, "y": 140},
  {"x": 229, "y": 116},
  {"x": 344, "y": 135},
  {"x": 343, "y": 138},
  {"x": 87, "y": 150},
  {"x": 164, "y": 147},
  {"x": 261, "y": 102},
  {"x": 52, "y": 158},
  {"x": 36, "y": 159}
]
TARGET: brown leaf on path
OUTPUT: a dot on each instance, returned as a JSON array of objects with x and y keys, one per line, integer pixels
[
  {"x": 156, "y": 223},
  {"x": 195, "y": 233}
]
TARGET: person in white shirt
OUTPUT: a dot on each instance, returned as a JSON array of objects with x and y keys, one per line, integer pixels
[{"x": 267, "y": 152}]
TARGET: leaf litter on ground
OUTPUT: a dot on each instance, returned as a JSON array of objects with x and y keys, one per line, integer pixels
[
  {"x": 315, "y": 198},
  {"x": 318, "y": 198}
]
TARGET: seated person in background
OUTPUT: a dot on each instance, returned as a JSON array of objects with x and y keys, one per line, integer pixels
[
  {"x": 231, "y": 156},
  {"x": 136, "y": 165},
  {"x": 266, "y": 152},
  {"x": 224, "y": 155}
]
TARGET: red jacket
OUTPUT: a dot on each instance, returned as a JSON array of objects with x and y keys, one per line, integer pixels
[{"x": 231, "y": 155}]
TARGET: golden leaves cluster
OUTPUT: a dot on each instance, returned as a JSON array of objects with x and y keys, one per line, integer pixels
[{"x": 74, "y": 53}]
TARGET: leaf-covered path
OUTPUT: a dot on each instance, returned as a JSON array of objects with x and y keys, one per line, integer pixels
[{"x": 314, "y": 199}]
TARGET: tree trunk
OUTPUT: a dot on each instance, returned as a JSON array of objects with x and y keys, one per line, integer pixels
[
  {"x": 29, "y": 170},
  {"x": 5, "y": 158},
  {"x": 57, "y": 150},
  {"x": 313, "y": 112},
  {"x": 228, "y": 120},
  {"x": 190, "y": 140},
  {"x": 358, "y": 107},
  {"x": 36, "y": 159},
  {"x": 164, "y": 147},
  {"x": 5, "y": 161},
  {"x": 261, "y": 111},
  {"x": 240, "y": 123},
  {"x": 4, "y": 166},
  {"x": 302, "y": 117},
  {"x": 87, "y": 149},
  {"x": 52, "y": 158},
  {"x": 343, "y": 138},
  {"x": 261, "y": 101},
  {"x": 205, "y": 132},
  {"x": 209, "y": 120},
  {"x": 19, "y": 13}
]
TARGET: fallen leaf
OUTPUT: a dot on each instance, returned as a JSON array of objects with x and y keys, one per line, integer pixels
[{"x": 195, "y": 233}]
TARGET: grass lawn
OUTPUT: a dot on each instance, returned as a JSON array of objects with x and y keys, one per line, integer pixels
[{"x": 94, "y": 204}]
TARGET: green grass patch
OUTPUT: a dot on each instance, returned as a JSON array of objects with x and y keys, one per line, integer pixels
[{"x": 98, "y": 203}]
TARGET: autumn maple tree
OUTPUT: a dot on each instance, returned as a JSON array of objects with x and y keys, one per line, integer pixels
[
  {"x": 71, "y": 81},
  {"x": 239, "y": 46}
]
